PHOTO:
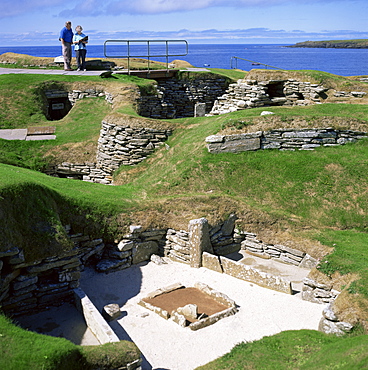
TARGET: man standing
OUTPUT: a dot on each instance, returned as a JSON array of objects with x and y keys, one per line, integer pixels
[{"x": 66, "y": 37}]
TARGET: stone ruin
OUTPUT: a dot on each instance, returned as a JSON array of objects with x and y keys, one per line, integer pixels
[
  {"x": 29, "y": 286},
  {"x": 252, "y": 94}
]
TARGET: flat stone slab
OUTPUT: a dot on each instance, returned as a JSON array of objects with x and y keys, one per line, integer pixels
[
  {"x": 44, "y": 130},
  {"x": 15, "y": 134},
  {"x": 40, "y": 137},
  {"x": 32, "y": 133}
]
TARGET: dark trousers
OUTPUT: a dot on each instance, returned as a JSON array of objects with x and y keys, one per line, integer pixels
[{"x": 81, "y": 58}]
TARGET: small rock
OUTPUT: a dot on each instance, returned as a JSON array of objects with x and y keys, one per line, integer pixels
[
  {"x": 190, "y": 311},
  {"x": 158, "y": 260},
  {"x": 111, "y": 311}
]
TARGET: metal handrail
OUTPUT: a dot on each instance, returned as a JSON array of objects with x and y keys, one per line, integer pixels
[
  {"x": 128, "y": 56},
  {"x": 252, "y": 61}
]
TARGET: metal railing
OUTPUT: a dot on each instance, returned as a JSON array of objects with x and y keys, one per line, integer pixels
[
  {"x": 129, "y": 46},
  {"x": 252, "y": 61}
]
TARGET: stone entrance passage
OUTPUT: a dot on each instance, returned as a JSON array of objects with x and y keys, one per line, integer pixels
[
  {"x": 58, "y": 104},
  {"x": 196, "y": 307}
]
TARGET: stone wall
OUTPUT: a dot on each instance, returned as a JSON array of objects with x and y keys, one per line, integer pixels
[
  {"x": 117, "y": 145},
  {"x": 279, "y": 252},
  {"x": 76, "y": 95},
  {"x": 126, "y": 145},
  {"x": 349, "y": 94},
  {"x": 251, "y": 94},
  {"x": 26, "y": 286},
  {"x": 330, "y": 323},
  {"x": 316, "y": 292},
  {"x": 282, "y": 139},
  {"x": 177, "y": 98},
  {"x": 87, "y": 171}
]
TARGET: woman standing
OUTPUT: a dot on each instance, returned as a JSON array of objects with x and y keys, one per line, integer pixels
[{"x": 80, "y": 40}]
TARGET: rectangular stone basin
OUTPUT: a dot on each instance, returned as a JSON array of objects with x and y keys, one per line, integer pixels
[{"x": 194, "y": 307}]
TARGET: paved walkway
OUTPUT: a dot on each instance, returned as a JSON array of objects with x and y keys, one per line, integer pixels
[
  {"x": 32, "y": 133},
  {"x": 73, "y": 73},
  {"x": 45, "y": 71}
]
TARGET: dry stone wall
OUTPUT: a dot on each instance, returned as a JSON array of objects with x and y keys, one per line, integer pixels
[
  {"x": 27, "y": 287},
  {"x": 76, "y": 95},
  {"x": 178, "y": 98},
  {"x": 316, "y": 292},
  {"x": 349, "y": 94},
  {"x": 117, "y": 145},
  {"x": 282, "y": 139},
  {"x": 125, "y": 145},
  {"x": 251, "y": 94},
  {"x": 279, "y": 252}
]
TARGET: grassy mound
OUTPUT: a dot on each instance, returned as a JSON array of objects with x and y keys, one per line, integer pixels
[{"x": 22, "y": 350}]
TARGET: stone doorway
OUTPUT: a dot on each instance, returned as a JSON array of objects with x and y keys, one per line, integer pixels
[{"x": 57, "y": 104}]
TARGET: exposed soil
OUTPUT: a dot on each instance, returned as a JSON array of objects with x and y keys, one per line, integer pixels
[{"x": 181, "y": 297}]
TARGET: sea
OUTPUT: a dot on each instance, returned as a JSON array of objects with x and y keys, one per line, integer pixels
[{"x": 343, "y": 62}]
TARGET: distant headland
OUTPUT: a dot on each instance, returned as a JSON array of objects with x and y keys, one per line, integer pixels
[{"x": 337, "y": 44}]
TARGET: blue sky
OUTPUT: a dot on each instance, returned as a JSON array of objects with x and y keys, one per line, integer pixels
[{"x": 38, "y": 22}]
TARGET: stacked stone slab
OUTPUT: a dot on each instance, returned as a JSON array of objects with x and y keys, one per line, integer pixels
[
  {"x": 177, "y": 246},
  {"x": 282, "y": 139},
  {"x": 31, "y": 286},
  {"x": 224, "y": 238},
  {"x": 126, "y": 145},
  {"x": 330, "y": 323},
  {"x": 86, "y": 171},
  {"x": 177, "y": 98},
  {"x": 278, "y": 252},
  {"x": 316, "y": 292},
  {"x": 76, "y": 95},
  {"x": 117, "y": 145},
  {"x": 349, "y": 94},
  {"x": 251, "y": 94}
]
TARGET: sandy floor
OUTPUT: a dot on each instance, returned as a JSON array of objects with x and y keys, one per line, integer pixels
[{"x": 164, "y": 344}]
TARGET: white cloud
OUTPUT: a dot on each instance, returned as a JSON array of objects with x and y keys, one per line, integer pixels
[
  {"x": 170, "y": 6},
  {"x": 9, "y": 8}
]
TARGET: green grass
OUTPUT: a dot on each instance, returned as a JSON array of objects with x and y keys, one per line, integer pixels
[
  {"x": 303, "y": 349},
  {"x": 349, "y": 256},
  {"x": 23, "y": 350}
]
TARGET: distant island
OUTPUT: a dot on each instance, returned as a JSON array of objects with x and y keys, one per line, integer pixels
[{"x": 338, "y": 44}]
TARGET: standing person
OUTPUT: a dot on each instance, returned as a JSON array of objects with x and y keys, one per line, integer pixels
[
  {"x": 80, "y": 40},
  {"x": 66, "y": 36}
]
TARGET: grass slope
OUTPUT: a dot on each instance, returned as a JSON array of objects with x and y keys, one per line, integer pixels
[
  {"x": 24, "y": 350},
  {"x": 303, "y": 349}
]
